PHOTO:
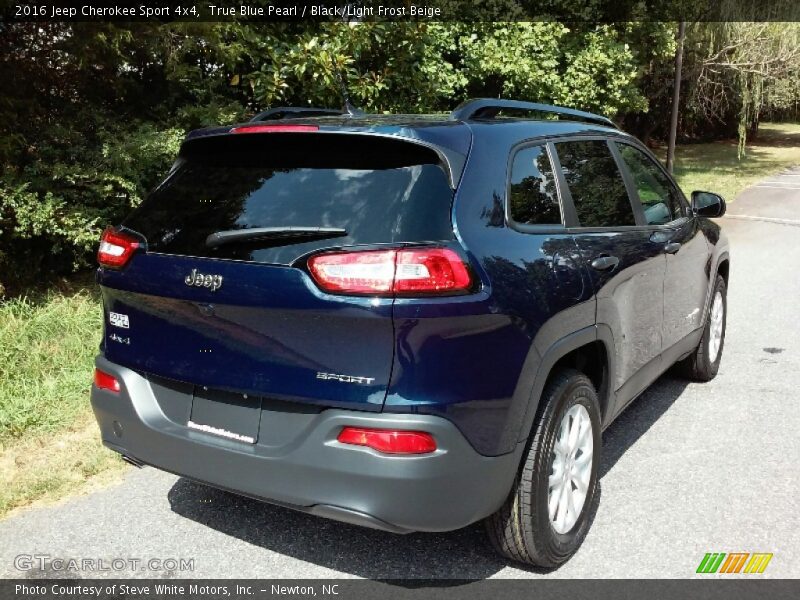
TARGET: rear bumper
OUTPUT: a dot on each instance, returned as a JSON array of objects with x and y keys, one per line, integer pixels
[{"x": 298, "y": 463}]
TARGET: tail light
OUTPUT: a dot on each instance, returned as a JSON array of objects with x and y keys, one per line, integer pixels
[
  {"x": 391, "y": 272},
  {"x": 116, "y": 248},
  {"x": 273, "y": 128},
  {"x": 104, "y": 381},
  {"x": 389, "y": 441}
]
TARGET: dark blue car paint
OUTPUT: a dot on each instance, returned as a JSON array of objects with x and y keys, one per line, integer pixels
[
  {"x": 480, "y": 360},
  {"x": 258, "y": 333},
  {"x": 541, "y": 298},
  {"x": 470, "y": 366}
]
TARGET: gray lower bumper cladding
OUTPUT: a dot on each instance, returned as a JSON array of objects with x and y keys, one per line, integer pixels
[{"x": 297, "y": 461}]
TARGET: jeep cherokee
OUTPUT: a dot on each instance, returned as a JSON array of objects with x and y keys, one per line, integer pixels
[{"x": 408, "y": 322}]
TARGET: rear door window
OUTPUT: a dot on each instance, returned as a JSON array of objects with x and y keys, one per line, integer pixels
[
  {"x": 378, "y": 191},
  {"x": 533, "y": 198},
  {"x": 595, "y": 183},
  {"x": 659, "y": 197}
]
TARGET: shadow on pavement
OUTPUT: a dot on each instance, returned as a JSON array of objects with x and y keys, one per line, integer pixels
[
  {"x": 639, "y": 417},
  {"x": 338, "y": 546},
  {"x": 462, "y": 554}
]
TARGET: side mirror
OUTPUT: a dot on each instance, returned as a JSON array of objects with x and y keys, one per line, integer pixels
[{"x": 708, "y": 204}]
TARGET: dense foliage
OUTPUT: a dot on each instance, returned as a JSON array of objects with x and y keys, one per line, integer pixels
[
  {"x": 733, "y": 74},
  {"x": 92, "y": 114}
]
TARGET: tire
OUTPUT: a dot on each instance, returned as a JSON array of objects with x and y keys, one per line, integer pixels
[
  {"x": 522, "y": 529},
  {"x": 703, "y": 363}
]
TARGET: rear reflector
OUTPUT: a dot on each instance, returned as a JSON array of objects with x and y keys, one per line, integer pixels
[
  {"x": 116, "y": 248},
  {"x": 274, "y": 128},
  {"x": 104, "y": 381},
  {"x": 386, "y": 272},
  {"x": 389, "y": 441}
]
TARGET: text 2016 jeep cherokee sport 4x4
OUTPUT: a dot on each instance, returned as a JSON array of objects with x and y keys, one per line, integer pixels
[{"x": 406, "y": 322}]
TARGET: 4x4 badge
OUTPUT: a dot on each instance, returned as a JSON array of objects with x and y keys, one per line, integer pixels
[{"x": 213, "y": 282}]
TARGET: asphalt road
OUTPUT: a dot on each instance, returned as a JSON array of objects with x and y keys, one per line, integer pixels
[{"x": 687, "y": 469}]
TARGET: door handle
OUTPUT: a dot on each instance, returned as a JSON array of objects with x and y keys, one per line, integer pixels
[
  {"x": 672, "y": 247},
  {"x": 605, "y": 263}
]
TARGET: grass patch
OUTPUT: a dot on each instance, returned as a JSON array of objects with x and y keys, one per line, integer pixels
[
  {"x": 714, "y": 167},
  {"x": 43, "y": 468},
  {"x": 49, "y": 443},
  {"x": 47, "y": 347}
]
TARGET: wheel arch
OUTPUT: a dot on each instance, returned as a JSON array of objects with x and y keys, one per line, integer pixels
[
  {"x": 723, "y": 266},
  {"x": 589, "y": 350}
]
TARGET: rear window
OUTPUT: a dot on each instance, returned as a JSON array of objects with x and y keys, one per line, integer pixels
[
  {"x": 532, "y": 192},
  {"x": 378, "y": 190}
]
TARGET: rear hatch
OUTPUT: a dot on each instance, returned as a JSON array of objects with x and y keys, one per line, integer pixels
[{"x": 200, "y": 302}]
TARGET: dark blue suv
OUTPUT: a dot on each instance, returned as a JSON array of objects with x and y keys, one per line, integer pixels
[{"x": 406, "y": 322}]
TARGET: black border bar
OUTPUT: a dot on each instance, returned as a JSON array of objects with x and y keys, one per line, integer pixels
[
  {"x": 590, "y": 11},
  {"x": 710, "y": 588}
]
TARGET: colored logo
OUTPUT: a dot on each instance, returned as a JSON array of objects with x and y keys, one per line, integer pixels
[{"x": 735, "y": 562}]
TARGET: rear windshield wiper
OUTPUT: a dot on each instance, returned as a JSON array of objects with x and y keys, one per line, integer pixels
[{"x": 253, "y": 234}]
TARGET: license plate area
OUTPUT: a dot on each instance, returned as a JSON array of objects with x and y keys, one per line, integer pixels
[{"x": 226, "y": 414}]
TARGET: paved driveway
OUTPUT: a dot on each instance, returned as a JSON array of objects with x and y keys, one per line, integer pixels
[{"x": 688, "y": 469}]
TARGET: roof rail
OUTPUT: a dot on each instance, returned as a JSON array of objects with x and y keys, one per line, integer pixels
[
  {"x": 296, "y": 112},
  {"x": 487, "y": 108}
]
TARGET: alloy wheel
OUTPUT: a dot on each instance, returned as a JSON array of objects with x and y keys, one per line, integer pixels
[
  {"x": 571, "y": 469},
  {"x": 716, "y": 328}
]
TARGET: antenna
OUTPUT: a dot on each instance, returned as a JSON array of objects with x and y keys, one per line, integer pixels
[{"x": 347, "y": 105}]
